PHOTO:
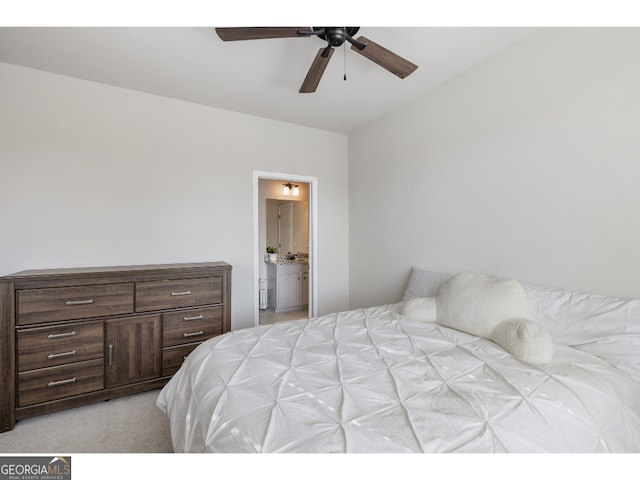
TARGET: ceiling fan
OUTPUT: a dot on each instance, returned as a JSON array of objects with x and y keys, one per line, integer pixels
[{"x": 335, "y": 37}]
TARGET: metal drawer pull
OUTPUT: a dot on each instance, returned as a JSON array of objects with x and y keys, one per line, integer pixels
[
  {"x": 197, "y": 317},
  {"x": 79, "y": 302},
  {"x": 178, "y": 294},
  {"x": 62, "y": 382},
  {"x": 61, "y": 335},
  {"x": 194, "y": 334},
  {"x": 59, "y": 355},
  {"x": 110, "y": 355}
]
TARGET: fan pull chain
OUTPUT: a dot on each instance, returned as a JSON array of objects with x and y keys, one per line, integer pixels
[{"x": 345, "y": 60}]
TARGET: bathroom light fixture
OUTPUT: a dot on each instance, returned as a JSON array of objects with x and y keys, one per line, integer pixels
[{"x": 288, "y": 187}]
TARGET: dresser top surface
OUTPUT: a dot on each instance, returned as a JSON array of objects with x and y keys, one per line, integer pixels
[{"x": 106, "y": 270}]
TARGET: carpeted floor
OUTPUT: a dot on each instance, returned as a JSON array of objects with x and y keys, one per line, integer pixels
[{"x": 130, "y": 424}]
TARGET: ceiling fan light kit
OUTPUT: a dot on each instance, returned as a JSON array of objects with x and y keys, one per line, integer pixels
[{"x": 335, "y": 37}]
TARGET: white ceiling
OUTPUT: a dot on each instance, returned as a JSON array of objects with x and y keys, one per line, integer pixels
[{"x": 258, "y": 77}]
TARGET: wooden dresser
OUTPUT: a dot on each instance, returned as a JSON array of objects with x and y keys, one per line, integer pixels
[{"x": 69, "y": 337}]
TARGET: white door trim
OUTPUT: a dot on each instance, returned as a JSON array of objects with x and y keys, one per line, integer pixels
[{"x": 313, "y": 237}]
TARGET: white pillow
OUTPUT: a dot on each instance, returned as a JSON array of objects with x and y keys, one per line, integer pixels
[
  {"x": 495, "y": 309},
  {"x": 524, "y": 339},
  {"x": 477, "y": 303},
  {"x": 421, "y": 308},
  {"x": 423, "y": 283}
]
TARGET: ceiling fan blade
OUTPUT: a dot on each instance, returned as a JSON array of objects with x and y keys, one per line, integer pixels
[
  {"x": 316, "y": 70},
  {"x": 385, "y": 58},
  {"x": 228, "y": 34}
]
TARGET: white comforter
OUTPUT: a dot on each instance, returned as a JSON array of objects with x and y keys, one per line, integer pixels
[{"x": 372, "y": 380}]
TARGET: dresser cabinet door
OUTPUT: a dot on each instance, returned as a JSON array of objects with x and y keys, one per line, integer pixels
[{"x": 133, "y": 349}]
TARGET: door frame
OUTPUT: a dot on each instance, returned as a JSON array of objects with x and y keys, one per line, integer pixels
[{"x": 313, "y": 237}]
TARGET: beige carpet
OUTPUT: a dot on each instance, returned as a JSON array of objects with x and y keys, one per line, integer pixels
[{"x": 130, "y": 424}]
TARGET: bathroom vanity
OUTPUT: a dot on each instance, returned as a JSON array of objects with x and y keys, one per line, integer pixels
[{"x": 288, "y": 285}]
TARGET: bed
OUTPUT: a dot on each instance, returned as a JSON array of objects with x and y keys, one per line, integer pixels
[{"x": 392, "y": 379}]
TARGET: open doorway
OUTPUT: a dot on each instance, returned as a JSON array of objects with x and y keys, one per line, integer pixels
[{"x": 284, "y": 223}]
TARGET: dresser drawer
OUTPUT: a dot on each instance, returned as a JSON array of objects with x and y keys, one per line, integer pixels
[
  {"x": 163, "y": 294},
  {"x": 52, "y": 346},
  {"x": 72, "y": 303},
  {"x": 172, "y": 357},
  {"x": 188, "y": 326},
  {"x": 58, "y": 382}
]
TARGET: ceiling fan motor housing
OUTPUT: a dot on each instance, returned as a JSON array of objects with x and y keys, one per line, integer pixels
[{"x": 336, "y": 36}]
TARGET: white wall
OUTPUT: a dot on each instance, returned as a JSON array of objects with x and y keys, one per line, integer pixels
[
  {"x": 96, "y": 175},
  {"x": 527, "y": 166}
]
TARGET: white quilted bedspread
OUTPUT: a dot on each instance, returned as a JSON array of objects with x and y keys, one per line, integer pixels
[{"x": 372, "y": 380}]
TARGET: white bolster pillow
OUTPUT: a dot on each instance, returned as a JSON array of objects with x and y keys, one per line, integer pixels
[{"x": 524, "y": 339}]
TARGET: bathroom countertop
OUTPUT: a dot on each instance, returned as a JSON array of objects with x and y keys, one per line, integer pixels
[{"x": 289, "y": 262}]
